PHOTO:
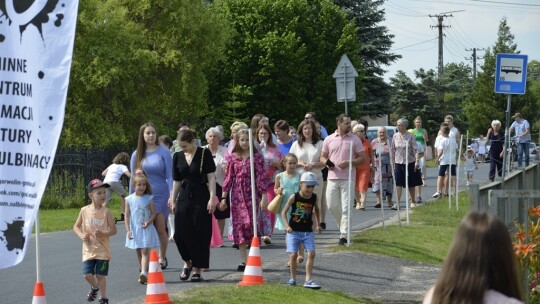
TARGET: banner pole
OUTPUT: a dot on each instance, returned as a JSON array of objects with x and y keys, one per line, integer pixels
[
  {"x": 350, "y": 196},
  {"x": 379, "y": 152},
  {"x": 38, "y": 272},
  {"x": 252, "y": 173},
  {"x": 407, "y": 181}
]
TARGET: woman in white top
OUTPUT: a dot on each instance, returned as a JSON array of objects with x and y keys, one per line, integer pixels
[
  {"x": 308, "y": 148},
  {"x": 213, "y": 138},
  {"x": 481, "y": 266}
]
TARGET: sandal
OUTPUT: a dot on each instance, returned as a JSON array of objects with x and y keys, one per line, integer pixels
[
  {"x": 185, "y": 273},
  {"x": 378, "y": 205},
  {"x": 163, "y": 263},
  {"x": 196, "y": 277},
  {"x": 299, "y": 259}
]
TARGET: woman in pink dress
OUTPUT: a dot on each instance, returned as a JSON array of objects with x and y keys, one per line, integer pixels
[
  {"x": 272, "y": 160},
  {"x": 238, "y": 184}
]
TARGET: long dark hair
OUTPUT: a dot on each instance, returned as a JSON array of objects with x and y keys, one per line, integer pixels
[
  {"x": 141, "y": 144},
  {"x": 481, "y": 258}
]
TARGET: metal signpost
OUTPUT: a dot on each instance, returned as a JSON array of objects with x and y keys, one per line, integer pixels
[
  {"x": 345, "y": 74},
  {"x": 510, "y": 78}
]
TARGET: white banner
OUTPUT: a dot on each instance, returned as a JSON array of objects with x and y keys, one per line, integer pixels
[{"x": 36, "y": 47}]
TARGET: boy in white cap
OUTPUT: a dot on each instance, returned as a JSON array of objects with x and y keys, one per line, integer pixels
[
  {"x": 303, "y": 212},
  {"x": 94, "y": 226}
]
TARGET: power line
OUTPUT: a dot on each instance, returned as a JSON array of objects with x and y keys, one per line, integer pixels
[
  {"x": 414, "y": 44},
  {"x": 509, "y": 3}
]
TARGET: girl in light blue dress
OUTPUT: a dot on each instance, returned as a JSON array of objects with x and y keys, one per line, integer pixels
[
  {"x": 140, "y": 214},
  {"x": 287, "y": 183}
]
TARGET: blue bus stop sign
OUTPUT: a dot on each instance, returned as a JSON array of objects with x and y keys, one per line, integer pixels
[{"x": 511, "y": 74}]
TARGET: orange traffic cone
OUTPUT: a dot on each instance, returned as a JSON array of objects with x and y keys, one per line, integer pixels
[
  {"x": 253, "y": 272},
  {"x": 156, "y": 291},
  {"x": 39, "y": 294}
]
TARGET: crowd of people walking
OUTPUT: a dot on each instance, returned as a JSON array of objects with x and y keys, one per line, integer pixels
[{"x": 313, "y": 171}]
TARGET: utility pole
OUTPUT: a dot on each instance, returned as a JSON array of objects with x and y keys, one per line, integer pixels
[
  {"x": 473, "y": 58},
  {"x": 440, "y": 26}
]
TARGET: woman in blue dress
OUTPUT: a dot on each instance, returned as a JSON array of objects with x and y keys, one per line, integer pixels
[{"x": 156, "y": 161}]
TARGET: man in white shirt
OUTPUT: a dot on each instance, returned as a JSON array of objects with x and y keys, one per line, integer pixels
[{"x": 522, "y": 129}]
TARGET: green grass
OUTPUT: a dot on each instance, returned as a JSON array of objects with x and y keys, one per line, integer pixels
[
  {"x": 63, "y": 219},
  {"x": 267, "y": 293},
  {"x": 427, "y": 238}
]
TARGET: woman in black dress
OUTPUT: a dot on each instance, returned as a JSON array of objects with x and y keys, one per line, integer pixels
[
  {"x": 193, "y": 201},
  {"x": 496, "y": 151}
]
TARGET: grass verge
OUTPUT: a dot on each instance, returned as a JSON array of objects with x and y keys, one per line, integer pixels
[
  {"x": 52, "y": 220},
  {"x": 426, "y": 239},
  {"x": 267, "y": 293}
]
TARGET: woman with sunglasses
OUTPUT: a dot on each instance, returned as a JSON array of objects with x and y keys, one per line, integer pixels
[{"x": 363, "y": 171}]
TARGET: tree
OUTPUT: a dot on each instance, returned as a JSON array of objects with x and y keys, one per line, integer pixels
[
  {"x": 283, "y": 53},
  {"x": 483, "y": 105},
  {"x": 422, "y": 99},
  {"x": 139, "y": 61},
  {"x": 375, "y": 43}
]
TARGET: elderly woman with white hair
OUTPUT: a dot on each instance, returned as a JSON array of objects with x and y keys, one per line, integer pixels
[
  {"x": 214, "y": 136},
  {"x": 363, "y": 170},
  {"x": 404, "y": 152},
  {"x": 496, "y": 152}
]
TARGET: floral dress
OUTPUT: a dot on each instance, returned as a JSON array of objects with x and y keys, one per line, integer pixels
[
  {"x": 238, "y": 184},
  {"x": 266, "y": 217}
]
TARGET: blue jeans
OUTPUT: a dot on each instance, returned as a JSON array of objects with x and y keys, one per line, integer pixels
[{"x": 523, "y": 148}]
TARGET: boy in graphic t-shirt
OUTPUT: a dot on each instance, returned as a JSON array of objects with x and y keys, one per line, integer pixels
[{"x": 303, "y": 209}]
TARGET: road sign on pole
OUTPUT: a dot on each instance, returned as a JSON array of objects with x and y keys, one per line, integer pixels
[
  {"x": 511, "y": 74},
  {"x": 345, "y": 74},
  {"x": 510, "y": 78}
]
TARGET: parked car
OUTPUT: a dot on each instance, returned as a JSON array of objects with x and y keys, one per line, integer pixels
[
  {"x": 533, "y": 152},
  {"x": 372, "y": 132}
]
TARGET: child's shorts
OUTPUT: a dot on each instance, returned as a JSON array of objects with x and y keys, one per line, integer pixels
[
  {"x": 100, "y": 267},
  {"x": 116, "y": 187},
  {"x": 443, "y": 168},
  {"x": 296, "y": 237}
]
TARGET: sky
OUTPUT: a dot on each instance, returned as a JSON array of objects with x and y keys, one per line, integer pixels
[{"x": 472, "y": 24}]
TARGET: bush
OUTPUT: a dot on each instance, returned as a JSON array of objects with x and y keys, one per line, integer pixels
[{"x": 64, "y": 189}]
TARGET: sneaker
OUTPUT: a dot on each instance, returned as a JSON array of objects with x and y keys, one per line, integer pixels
[
  {"x": 413, "y": 205},
  {"x": 291, "y": 282},
  {"x": 92, "y": 294},
  {"x": 342, "y": 241},
  {"x": 323, "y": 225},
  {"x": 241, "y": 267},
  {"x": 267, "y": 240},
  {"x": 436, "y": 195},
  {"x": 312, "y": 285},
  {"x": 419, "y": 200},
  {"x": 103, "y": 301},
  {"x": 143, "y": 279},
  {"x": 394, "y": 207}
]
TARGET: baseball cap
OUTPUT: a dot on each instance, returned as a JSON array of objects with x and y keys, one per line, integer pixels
[
  {"x": 517, "y": 115},
  {"x": 96, "y": 183},
  {"x": 309, "y": 179}
]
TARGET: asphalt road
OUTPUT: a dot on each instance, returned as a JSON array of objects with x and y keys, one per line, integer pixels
[{"x": 353, "y": 273}]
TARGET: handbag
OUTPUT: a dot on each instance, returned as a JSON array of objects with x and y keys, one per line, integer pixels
[{"x": 275, "y": 204}]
